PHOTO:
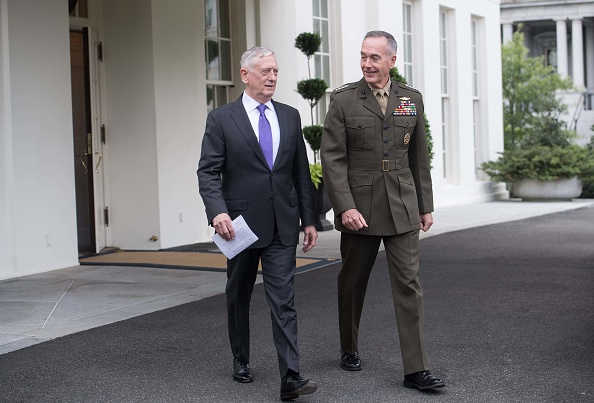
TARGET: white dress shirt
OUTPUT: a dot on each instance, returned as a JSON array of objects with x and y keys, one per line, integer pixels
[{"x": 251, "y": 107}]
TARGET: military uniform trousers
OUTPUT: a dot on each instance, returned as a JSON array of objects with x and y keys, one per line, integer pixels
[{"x": 358, "y": 256}]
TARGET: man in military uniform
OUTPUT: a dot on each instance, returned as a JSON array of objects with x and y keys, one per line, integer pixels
[{"x": 376, "y": 171}]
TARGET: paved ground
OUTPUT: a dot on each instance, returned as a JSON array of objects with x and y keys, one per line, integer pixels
[{"x": 509, "y": 318}]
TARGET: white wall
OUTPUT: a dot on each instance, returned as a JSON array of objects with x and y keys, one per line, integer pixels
[
  {"x": 131, "y": 124},
  {"x": 180, "y": 118},
  {"x": 37, "y": 174},
  {"x": 7, "y": 253},
  {"x": 280, "y": 23}
]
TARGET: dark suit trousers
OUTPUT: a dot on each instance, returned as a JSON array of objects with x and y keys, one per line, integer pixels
[
  {"x": 358, "y": 256},
  {"x": 278, "y": 269}
]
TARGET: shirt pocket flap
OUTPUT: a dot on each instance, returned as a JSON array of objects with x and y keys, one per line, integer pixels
[
  {"x": 405, "y": 121},
  {"x": 359, "y": 122}
]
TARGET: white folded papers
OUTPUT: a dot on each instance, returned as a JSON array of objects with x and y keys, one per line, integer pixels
[{"x": 244, "y": 237}]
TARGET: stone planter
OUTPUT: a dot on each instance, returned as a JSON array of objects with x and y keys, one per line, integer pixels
[{"x": 561, "y": 189}]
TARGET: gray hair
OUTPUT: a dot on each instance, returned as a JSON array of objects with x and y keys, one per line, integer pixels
[
  {"x": 249, "y": 55},
  {"x": 389, "y": 37}
]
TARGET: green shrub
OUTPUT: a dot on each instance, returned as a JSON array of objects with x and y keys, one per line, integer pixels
[{"x": 542, "y": 163}]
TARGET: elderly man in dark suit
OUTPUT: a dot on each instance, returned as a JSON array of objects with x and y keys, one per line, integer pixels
[
  {"x": 376, "y": 171},
  {"x": 254, "y": 164}
]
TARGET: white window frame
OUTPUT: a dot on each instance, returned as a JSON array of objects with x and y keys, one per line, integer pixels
[
  {"x": 477, "y": 27},
  {"x": 324, "y": 55},
  {"x": 408, "y": 42},
  {"x": 219, "y": 88},
  {"x": 444, "y": 69}
]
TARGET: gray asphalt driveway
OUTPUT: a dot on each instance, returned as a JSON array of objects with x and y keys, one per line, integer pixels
[{"x": 509, "y": 318}]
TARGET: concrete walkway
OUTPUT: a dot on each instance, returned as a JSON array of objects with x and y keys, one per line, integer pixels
[{"x": 41, "y": 307}]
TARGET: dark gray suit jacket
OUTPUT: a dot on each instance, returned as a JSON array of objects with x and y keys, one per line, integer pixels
[{"x": 234, "y": 178}]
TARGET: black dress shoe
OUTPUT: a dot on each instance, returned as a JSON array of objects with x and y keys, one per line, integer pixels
[
  {"x": 241, "y": 371},
  {"x": 293, "y": 386},
  {"x": 350, "y": 362},
  {"x": 423, "y": 380}
]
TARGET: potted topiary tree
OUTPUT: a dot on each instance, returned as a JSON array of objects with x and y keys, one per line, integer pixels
[
  {"x": 312, "y": 90},
  {"x": 540, "y": 159}
]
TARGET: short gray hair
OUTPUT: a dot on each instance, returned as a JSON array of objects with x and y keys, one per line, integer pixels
[
  {"x": 249, "y": 55},
  {"x": 389, "y": 37}
]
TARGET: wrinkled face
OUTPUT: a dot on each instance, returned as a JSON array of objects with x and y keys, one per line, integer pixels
[
  {"x": 260, "y": 78},
  {"x": 376, "y": 61}
]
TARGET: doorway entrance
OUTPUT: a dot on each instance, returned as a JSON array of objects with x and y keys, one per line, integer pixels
[{"x": 91, "y": 213}]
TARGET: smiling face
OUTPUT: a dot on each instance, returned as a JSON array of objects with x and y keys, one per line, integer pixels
[
  {"x": 376, "y": 61},
  {"x": 260, "y": 78}
]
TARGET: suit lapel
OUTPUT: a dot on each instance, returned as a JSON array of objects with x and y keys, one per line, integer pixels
[
  {"x": 283, "y": 122},
  {"x": 240, "y": 117}
]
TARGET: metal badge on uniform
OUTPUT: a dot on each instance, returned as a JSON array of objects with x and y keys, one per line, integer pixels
[
  {"x": 406, "y": 138},
  {"x": 406, "y": 108}
]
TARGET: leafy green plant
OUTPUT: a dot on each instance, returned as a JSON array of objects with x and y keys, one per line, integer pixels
[
  {"x": 315, "y": 171},
  {"x": 395, "y": 74},
  {"x": 543, "y": 163}
]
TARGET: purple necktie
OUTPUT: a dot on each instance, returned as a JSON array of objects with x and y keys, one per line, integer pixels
[{"x": 265, "y": 134}]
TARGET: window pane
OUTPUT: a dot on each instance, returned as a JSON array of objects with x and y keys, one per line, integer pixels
[
  {"x": 318, "y": 66},
  {"x": 316, "y": 8},
  {"x": 221, "y": 95},
  {"x": 316, "y": 26},
  {"x": 324, "y": 47},
  {"x": 225, "y": 60},
  {"x": 225, "y": 29},
  {"x": 444, "y": 53},
  {"x": 408, "y": 48},
  {"x": 326, "y": 65},
  {"x": 407, "y": 18},
  {"x": 212, "y": 60},
  {"x": 409, "y": 75},
  {"x": 210, "y": 17},
  {"x": 324, "y": 8},
  {"x": 210, "y": 105}
]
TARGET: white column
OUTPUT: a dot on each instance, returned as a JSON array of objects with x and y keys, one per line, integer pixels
[
  {"x": 528, "y": 38},
  {"x": 562, "y": 68},
  {"x": 508, "y": 32},
  {"x": 590, "y": 57},
  {"x": 577, "y": 50}
]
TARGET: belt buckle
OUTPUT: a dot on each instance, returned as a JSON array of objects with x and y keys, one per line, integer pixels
[{"x": 385, "y": 165}]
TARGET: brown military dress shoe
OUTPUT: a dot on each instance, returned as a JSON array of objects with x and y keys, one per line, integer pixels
[{"x": 422, "y": 380}]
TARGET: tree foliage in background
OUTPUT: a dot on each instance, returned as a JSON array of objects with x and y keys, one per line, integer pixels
[
  {"x": 530, "y": 104},
  {"x": 395, "y": 74},
  {"x": 537, "y": 143}
]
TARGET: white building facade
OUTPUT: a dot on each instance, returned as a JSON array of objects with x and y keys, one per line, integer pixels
[
  {"x": 102, "y": 107},
  {"x": 562, "y": 32}
]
